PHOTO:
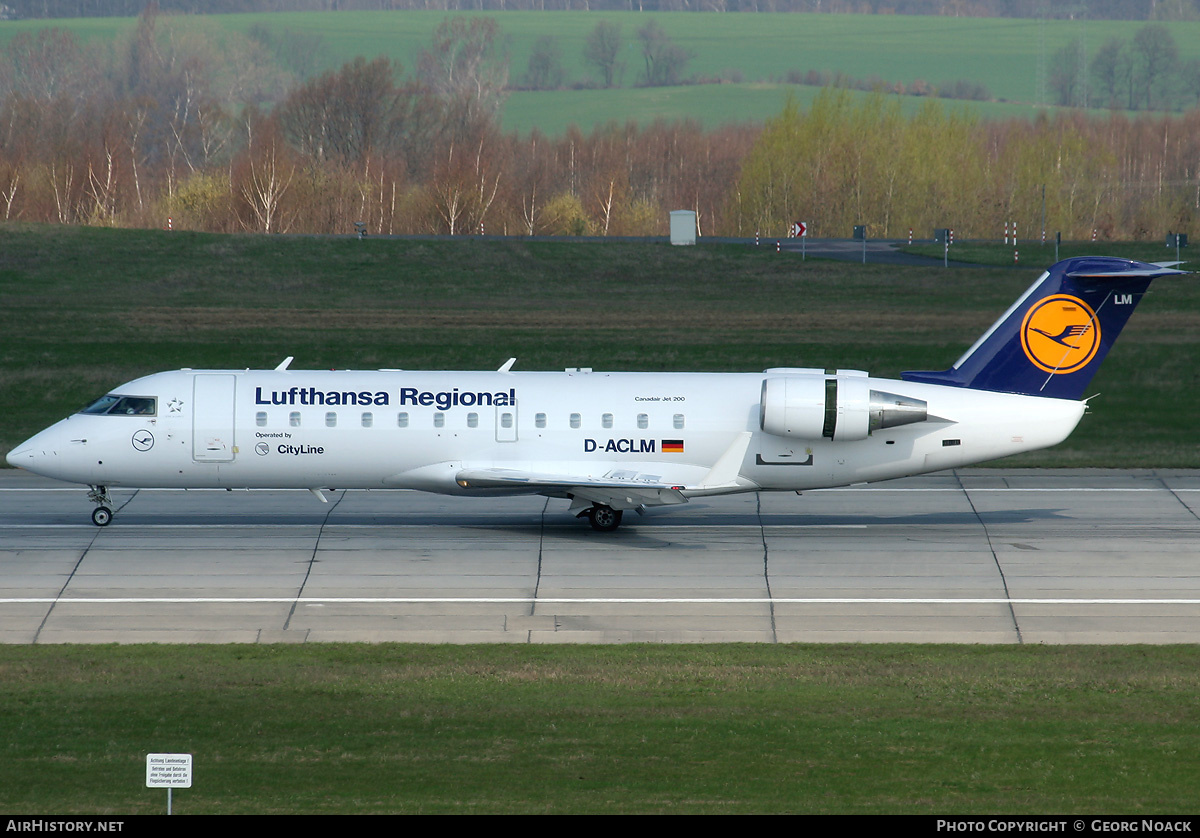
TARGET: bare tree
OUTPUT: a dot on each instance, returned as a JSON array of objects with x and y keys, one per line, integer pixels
[
  {"x": 1112, "y": 69},
  {"x": 64, "y": 186},
  {"x": 1157, "y": 56},
  {"x": 266, "y": 173},
  {"x": 466, "y": 181},
  {"x": 465, "y": 67},
  {"x": 665, "y": 60},
  {"x": 344, "y": 116},
  {"x": 101, "y": 187},
  {"x": 545, "y": 65},
  {"x": 602, "y": 50},
  {"x": 47, "y": 64},
  {"x": 1065, "y": 78}
]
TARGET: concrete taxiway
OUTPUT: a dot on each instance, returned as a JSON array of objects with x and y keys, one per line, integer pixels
[{"x": 974, "y": 556}]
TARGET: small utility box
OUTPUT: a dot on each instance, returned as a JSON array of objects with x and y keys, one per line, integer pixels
[{"x": 683, "y": 227}]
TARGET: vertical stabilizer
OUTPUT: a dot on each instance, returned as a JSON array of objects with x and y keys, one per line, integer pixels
[{"x": 1054, "y": 338}]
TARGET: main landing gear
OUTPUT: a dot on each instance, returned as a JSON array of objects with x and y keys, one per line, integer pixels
[
  {"x": 102, "y": 514},
  {"x": 602, "y": 518}
]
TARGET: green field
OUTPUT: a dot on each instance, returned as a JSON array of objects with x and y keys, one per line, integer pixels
[
  {"x": 1002, "y": 54},
  {"x": 330, "y": 728},
  {"x": 86, "y": 309},
  {"x": 553, "y": 111}
]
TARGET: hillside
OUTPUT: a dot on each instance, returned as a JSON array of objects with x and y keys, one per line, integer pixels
[{"x": 746, "y": 61}]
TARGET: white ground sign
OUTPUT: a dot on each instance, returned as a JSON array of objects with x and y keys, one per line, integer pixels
[{"x": 169, "y": 771}]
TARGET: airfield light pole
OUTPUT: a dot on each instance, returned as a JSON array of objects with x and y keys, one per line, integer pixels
[{"x": 1043, "y": 213}]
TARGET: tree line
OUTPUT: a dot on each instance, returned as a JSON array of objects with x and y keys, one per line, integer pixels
[
  {"x": 1144, "y": 72},
  {"x": 144, "y": 135},
  {"x": 1164, "y": 10},
  {"x": 866, "y": 163}
]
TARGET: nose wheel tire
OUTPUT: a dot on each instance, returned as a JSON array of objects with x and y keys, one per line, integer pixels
[
  {"x": 101, "y": 516},
  {"x": 604, "y": 518}
]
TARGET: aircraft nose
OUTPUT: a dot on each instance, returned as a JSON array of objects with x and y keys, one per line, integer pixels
[
  {"x": 33, "y": 452},
  {"x": 23, "y": 456}
]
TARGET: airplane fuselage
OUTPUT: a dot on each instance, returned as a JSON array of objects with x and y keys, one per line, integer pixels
[{"x": 419, "y": 430}]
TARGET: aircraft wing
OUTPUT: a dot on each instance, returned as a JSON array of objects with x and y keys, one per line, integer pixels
[
  {"x": 625, "y": 486},
  {"x": 611, "y": 490}
]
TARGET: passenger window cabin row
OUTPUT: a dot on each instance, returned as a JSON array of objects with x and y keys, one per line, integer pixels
[{"x": 367, "y": 420}]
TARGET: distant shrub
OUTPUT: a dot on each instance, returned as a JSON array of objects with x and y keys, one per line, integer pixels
[
  {"x": 963, "y": 89},
  {"x": 201, "y": 202},
  {"x": 564, "y": 215},
  {"x": 960, "y": 89},
  {"x": 920, "y": 87}
]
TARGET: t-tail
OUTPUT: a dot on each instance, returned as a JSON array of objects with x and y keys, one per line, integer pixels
[{"x": 1054, "y": 338}]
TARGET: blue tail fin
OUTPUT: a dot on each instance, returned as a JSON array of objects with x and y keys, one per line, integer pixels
[{"x": 1052, "y": 340}]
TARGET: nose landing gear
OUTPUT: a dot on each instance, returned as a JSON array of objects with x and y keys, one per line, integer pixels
[{"x": 102, "y": 514}]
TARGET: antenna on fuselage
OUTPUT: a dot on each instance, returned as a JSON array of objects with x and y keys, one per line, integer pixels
[
  {"x": 507, "y": 365},
  {"x": 284, "y": 364}
]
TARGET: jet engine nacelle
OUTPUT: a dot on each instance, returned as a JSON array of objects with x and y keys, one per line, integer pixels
[{"x": 838, "y": 407}]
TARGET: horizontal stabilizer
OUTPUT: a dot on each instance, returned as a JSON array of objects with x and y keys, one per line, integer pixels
[{"x": 1153, "y": 272}]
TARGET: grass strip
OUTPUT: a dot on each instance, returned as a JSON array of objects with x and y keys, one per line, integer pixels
[{"x": 337, "y": 728}]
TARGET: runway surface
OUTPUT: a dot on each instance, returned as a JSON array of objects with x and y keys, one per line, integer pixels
[{"x": 975, "y": 556}]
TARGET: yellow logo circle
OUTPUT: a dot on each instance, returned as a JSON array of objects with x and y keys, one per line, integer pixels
[{"x": 1060, "y": 334}]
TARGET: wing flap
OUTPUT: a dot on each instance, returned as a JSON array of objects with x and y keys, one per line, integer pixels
[{"x": 617, "y": 492}]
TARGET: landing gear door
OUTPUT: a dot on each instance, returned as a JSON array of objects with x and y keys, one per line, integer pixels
[{"x": 212, "y": 418}]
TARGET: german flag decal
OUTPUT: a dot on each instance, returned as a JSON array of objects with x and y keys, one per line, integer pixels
[{"x": 672, "y": 446}]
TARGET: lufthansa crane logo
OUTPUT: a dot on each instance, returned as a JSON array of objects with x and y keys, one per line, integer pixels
[{"x": 1060, "y": 334}]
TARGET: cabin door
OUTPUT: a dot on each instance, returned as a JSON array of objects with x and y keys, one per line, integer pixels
[{"x": 212, "y": 418}]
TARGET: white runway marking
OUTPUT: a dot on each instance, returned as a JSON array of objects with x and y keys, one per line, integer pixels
[{"x": 594, "y": 600}]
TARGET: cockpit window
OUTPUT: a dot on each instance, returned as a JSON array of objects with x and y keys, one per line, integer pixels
[
  {"x": 134, "y": 406},
  {"x": 102, "y": 404},
  {"x": 115, "y": 405}
]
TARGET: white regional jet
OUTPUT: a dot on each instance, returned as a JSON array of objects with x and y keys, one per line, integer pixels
[{"x": 608, "y": 442}]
